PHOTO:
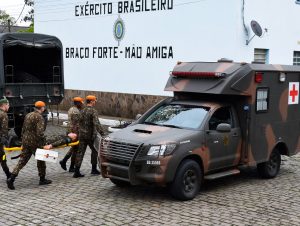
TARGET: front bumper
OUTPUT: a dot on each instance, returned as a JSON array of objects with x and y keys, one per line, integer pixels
[{"x": 150, "y": 171}]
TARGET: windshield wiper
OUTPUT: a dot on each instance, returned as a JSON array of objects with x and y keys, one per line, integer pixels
[
  {"x": 172, "y": 126},
  {"x": 150, "y": 123}
]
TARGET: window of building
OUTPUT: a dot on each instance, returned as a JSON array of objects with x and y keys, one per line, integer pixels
[
  {"x": 296, "y": 58},
  {"x": 262, "y": 99},
  {"x": 261, "y": 56}
]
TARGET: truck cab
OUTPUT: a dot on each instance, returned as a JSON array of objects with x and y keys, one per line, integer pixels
[{"x": 207, "y": 129}]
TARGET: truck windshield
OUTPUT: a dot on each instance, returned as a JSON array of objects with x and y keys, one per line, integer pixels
[{"x": 178, "y": 116}]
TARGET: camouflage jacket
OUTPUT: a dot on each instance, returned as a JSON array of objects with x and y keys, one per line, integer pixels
[
  {"x": 73, "y": 117},
  {"x": 3, "y": 124},
  {"x": 59, "y": 140},
  {"x": 33, "y": 130},
  {"x": 89, "y": 124}
]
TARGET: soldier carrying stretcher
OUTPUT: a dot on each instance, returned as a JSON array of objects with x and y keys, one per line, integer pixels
[{"x": 32, "y": 138}]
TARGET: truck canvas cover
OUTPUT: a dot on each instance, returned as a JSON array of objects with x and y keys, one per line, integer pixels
[{"x": 31, "y": 68}]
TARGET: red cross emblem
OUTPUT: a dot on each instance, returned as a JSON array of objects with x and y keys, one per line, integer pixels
[{"x": 293, "y": 92}]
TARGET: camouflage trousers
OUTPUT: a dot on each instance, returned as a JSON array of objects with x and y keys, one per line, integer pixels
[
  {"x": 3, "y": 159},
  {"x": 81, "y": 151},
  {"x": 71, "y": 154},
  {"x": 26, "y": 154},
  {"x": 2, "y": 154}
]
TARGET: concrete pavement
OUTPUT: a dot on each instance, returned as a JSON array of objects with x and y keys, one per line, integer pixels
[{"x": 244, "y": 199}]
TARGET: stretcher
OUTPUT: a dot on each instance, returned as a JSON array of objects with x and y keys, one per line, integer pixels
[
  {"x": 11, "y": 149},
  {"x": 20, "y": 148}
]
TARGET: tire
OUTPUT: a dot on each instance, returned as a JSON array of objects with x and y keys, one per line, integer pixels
[
  {"x": 270, "y": 168},
  {"x": 187, "y": 181},
  {"x": 120, "y": 183}
]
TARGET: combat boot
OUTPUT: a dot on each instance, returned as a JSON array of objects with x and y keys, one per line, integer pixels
[
  {"x": 77, "y": 173},
  {"x": 63, "y": 164},
  {"x": 44, "y": 181},
  {"x": 94, "y": 170},
  {"x": 72, "y": 169},
  {"x": 10, "y": 182}
]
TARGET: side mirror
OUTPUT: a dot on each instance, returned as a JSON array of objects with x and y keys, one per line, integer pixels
[
  {"x": 138, "y": 116},
  {"x": 224, "y": 127}
]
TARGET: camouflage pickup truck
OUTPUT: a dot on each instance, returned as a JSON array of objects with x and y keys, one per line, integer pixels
[
  {"x": 31, "y": 69},
  {"x": 223, "y": 115}
]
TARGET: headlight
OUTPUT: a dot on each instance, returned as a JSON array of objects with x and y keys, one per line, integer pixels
[
  {"x": 154, "y": 150},
  {"x": 161, "y": 150}
]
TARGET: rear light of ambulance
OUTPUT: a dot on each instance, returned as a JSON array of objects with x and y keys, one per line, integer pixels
[
  {"x": 258, "y": 77},
  {"x": 193, "y": 74}
]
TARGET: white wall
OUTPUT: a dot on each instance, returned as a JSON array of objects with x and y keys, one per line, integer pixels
[{"x": 203, "y": 30}]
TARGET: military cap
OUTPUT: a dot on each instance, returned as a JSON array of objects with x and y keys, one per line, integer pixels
[
  {"x": 78, "y": 99},
  {"x": 91, "y": 97},
  {"x": 39, "y": 104},
  {"x": 4, "y": 101}
]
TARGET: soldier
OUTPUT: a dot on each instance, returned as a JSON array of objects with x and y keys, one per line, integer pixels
[
  {"x": 89, "y": 125},
  {"x": 32, "y": 138},
  {"x": 4, "y": 106},
  {"x": 61, "y": 140},
  {"x": 73, "y": 127}
]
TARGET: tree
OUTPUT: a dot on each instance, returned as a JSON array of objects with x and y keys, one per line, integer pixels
[
  {"x": 30, "y": 15},
  {"x": 4, "y": 18}
]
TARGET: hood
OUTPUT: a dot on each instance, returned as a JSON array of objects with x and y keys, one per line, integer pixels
[{"x": 149, "y": 134}]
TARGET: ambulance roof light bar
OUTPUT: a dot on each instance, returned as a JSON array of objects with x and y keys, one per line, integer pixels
[{"x": 196, "y": 74}]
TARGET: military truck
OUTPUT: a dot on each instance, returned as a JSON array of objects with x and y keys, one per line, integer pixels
[
  {"x": 31, "y": 69},
  {"x": 223, "y": 115}
]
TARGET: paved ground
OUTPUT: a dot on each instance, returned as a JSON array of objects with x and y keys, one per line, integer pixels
[{"x": 240, "y": 200}]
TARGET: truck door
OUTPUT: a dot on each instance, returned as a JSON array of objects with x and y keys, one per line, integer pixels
[{"x": 224, "y": 146}]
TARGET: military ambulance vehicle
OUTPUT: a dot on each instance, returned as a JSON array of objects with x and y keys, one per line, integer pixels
[
  {"x": 223, "y": 115},
  {"x": 31, "y": 69}
]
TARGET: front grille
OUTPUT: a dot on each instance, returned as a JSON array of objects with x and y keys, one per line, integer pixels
[{"x": 118, "y": 151}]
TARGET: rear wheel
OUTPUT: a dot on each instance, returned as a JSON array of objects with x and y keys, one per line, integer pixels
[
  {"x": 120, "y": 183},
  {"x": 270, "y": 168},
  {"x": 187, "y": 181}
]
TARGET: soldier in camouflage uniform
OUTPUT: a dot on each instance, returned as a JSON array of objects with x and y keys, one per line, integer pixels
[
  {"x": 73, "y": 127},
  {"x": 60, "y": 140},
  {"x": 32, "y": 138},
  {"x": 4, "y": 106},
  {"x": 89, "y": 125}
]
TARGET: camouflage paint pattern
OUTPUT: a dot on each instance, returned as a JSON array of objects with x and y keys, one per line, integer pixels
[
  {"x": 73, "y": 118},
  {"x": 89, "y": 125},
  {"x": 3, "y": 124},
  {"x": 83, "y": 143},
  {"x": 73, "y": 127},
  {"x": 59, "y": 140},
  {"x": 256, "y": 134},
  {"x": 4, "y": 134}
]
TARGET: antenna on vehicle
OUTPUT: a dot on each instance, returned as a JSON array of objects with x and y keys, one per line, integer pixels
[{"x": 256, "y": 28}]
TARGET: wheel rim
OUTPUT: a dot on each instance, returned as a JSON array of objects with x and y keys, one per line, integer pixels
[
  {"x": 273, "y": 163},
  {"x": 189, "y": 180}
]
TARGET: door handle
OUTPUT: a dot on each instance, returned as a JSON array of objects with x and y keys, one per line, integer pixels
[
  {"x": 235, "y": 135},
  {"x": 216, "y": 141}
]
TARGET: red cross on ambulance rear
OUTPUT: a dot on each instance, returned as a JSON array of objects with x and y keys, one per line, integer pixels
[{"x": 293, "y": 92}]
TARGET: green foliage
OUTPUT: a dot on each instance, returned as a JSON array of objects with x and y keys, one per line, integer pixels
[
  {"x": 4, "y": 17},
  {"x": 30, "y": 15},
  {"x": 30, "y": 29}
]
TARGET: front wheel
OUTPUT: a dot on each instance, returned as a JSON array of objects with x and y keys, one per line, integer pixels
[
  {"x": 270, "y": 168},
  {"x": 187, "y": 181}
]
